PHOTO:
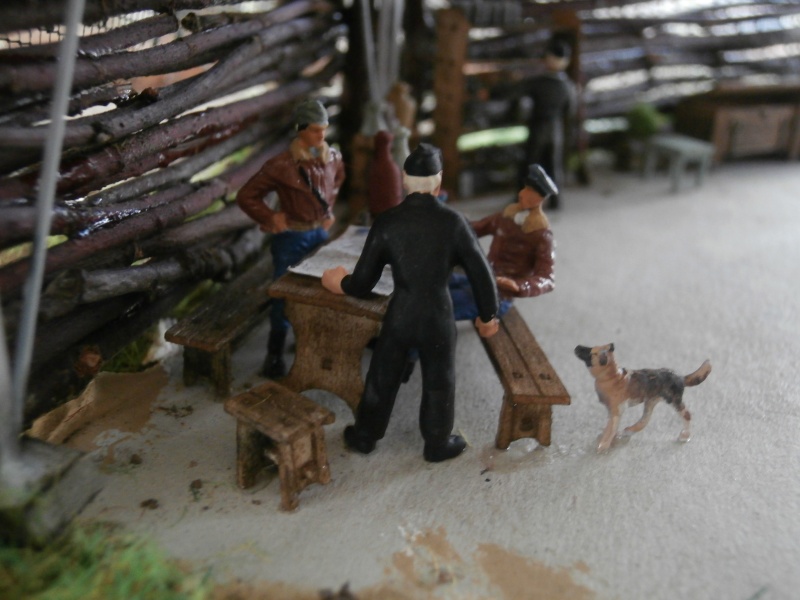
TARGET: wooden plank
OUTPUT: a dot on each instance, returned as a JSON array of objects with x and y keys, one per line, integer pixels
[
  {"x": 295, "y": 404},
  {"x": 309, "y": 290},
  {"x": 509, "y": 365},
  {"x": 264, "y": 415},
  {"x": 228, "y": 314},
  {"x": 536, "y": 360}
]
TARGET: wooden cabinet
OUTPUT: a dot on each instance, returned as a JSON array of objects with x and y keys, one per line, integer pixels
[{"x": 744, "y": 122}]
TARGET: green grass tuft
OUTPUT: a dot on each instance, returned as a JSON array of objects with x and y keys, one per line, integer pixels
[{"x": 96, "y": 563}]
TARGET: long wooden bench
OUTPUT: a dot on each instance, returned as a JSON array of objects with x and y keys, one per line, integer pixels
[
  {"x": 208, "y": 334},
  {"x": 531, "y": 385},
  {"x": 277, "y": 425}
]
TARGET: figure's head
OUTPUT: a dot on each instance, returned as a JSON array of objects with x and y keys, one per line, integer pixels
[
  {"x": 557, "y": 54},
  {"x": 422, "y": 170},
  {"x": 538, "y": 186},
  {"x": 311, "y": 122}
]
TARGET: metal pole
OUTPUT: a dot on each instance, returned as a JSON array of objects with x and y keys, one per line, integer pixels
[
  {"x": 9, "y": 443},
  {"x": 369, "y": 50},
  {"x": 44, "y": 213}
]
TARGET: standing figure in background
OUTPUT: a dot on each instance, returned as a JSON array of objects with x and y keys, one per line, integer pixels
[
  {"x": 385, "y": 185},
  {"x": 554, "y": 100},
  {"x": 422, "y": 240},
  {"x": 522, "y": 253},
  {"x": 306, "y": 179}
]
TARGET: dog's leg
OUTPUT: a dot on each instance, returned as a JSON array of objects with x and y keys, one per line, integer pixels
[
  {"x": 611, "y": 429},
  {"x": 686, "y": 432},
  {"x": 649, "y": 405}
]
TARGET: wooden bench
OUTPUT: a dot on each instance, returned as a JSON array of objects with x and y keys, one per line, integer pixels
[
  {"x": 531, "y": 385},
  {"x": 277, "y": 426},
  {"x": 681, "y": 151},
  {"x": 208, "y": 334}
]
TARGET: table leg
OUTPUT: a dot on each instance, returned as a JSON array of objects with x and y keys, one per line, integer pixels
[{"x": 330, "y": 345}]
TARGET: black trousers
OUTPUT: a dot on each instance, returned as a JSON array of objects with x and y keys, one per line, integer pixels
[{"x": 389, "y": 358}]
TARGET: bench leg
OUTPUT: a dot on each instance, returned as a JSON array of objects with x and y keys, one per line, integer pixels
[
  {"x": 677, "y": 172},
  {"x": 506, "y": 425},
  {"x": 195, "y": 363},
  {"x": 221, "y": 375},
  {"x": 250, "y": 457},
  {"x": 216, "y": 366},
  {"x": 518, "y": 421},
  {"x": 545, "y": 418},
  {"x": 650, "y": 160},
  {"x": 289, "y": 477}
]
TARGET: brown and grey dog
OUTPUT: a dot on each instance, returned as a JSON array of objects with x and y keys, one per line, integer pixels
[{"x": 617, "y": 387}]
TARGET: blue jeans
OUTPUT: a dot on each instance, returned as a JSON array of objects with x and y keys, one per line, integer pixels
[
  {"x": 464, "y": 307},
  {"x": 288, "y": 249}
]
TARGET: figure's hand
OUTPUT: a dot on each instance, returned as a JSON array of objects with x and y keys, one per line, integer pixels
[
  {"x": 487, "y": 329},
  {"x": 327, "y": 222},
  {"x": 332, "y": 279},
  {"x": 507, "y": 284},
  {"x": 277, "y": 225}
]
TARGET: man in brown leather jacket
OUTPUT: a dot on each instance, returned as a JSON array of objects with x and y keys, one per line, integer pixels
[
  {"x": 522, "y": 252},
  {"x": 306, "y": 179}
]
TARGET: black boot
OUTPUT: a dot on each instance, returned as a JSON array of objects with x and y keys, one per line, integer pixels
[
  {"x": 358, "y": 441},
  {"x": 274, "y": 366},
  {"x": 450, "y": 448}
]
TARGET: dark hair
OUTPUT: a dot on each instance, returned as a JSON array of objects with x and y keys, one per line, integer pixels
[{"x": 559, "y": 48}]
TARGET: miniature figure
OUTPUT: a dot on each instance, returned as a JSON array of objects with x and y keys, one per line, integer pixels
[
  {"x": 306, "y": 179},
  {"x": 422, "y": 240},
  {"x": 554, "y": 101},
  {"x": 617, "y": 387},
  {"x": 522, "y": 250},
  {"x": 385, "y": 188}
]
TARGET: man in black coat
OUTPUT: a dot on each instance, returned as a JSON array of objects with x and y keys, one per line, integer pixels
[
  {"x": 554, "y": 100},
  {"x": 422, "y": 240}
]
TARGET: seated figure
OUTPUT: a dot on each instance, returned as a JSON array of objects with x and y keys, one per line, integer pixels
[{"x": 522, "y": 252}]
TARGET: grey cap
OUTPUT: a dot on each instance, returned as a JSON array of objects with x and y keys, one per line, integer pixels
[
  {"x": 424, "y": 161},
  {"x": 310, "y": 112},
  {"x": 540, "y": 181}
]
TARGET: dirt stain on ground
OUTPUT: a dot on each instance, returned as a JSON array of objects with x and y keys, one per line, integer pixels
[
  {"x": 520, "y": 577},
  {"x": 112, "y": 401},
  {"x": 430, "y": 568}
]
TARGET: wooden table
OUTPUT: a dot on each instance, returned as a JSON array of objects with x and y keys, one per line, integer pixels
[{"x": 331, "y": 332}]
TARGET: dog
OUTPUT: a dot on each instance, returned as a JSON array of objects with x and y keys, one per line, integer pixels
[{"x": 617, "y": 387}]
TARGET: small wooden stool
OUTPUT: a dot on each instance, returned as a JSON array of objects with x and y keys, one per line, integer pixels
[
  {"x": 277, "y": 425},
  {"x": 680, "y": 151}
]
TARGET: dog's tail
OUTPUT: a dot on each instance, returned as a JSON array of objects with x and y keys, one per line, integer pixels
[{"x": 698, "y": 376}]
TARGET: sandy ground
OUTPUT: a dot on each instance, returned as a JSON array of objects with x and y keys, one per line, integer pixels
[{"x": 672, "y": 280}]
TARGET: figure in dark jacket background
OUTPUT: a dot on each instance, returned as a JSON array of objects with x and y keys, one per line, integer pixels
[
  {"x": 422, "y": 240},
  {"x": 554, "y": 103}
]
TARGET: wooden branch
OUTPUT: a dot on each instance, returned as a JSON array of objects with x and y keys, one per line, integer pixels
[
  {"x": 19, "y": 222},
  {"x": 51, "y": 12},
  {"x": 183, "y": 170},
  {"x": 75, "y": 287},
  {"x": 139, "y": 226},
  {"x": 28, "y": 110},
  {"x": 118, "y": 123},
  {"x": 100, "y": 44},
  {"x": 228, "y": 220},
  {"x": 114, "y": 158},
  {"x": 184, "y": 53}
]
